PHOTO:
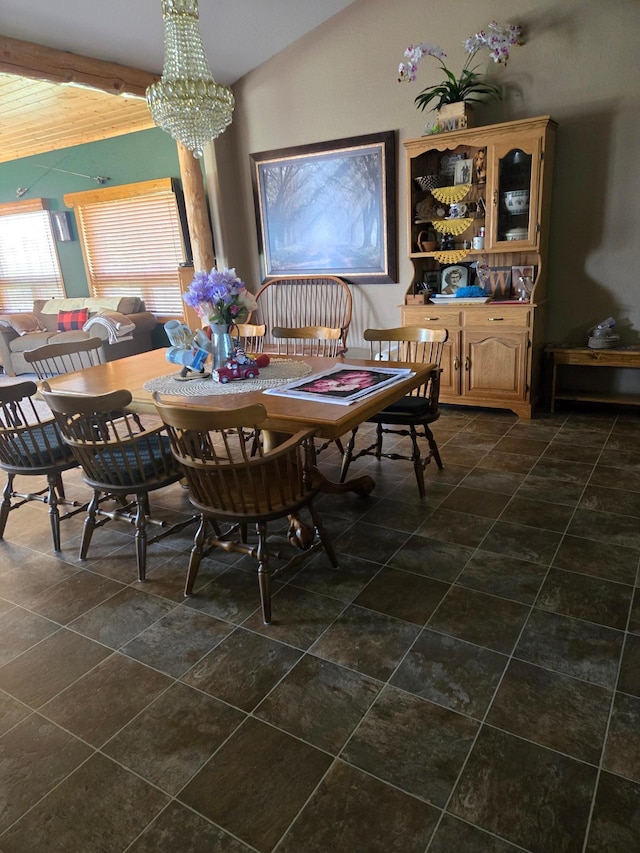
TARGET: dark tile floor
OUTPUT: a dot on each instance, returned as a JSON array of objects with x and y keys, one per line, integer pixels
[{"x": 468, "y": 681}]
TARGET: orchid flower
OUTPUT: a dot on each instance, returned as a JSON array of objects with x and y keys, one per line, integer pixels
[{"x": 469, "y": 86}]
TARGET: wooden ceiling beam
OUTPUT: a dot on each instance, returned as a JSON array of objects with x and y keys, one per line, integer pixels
[{"x": 36, "y": 61}]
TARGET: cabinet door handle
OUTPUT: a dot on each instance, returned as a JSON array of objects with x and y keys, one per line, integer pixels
[
  {"x": 466, "y": 363},
  {"x": 495, "y": 319},
  {"x": 495, "y": 198},
  {"x": 431, "y": 318},
  {"x": 456, "y": 363}
]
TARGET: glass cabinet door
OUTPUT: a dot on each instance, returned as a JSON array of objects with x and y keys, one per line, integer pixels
[{"x": 515, "y": 175}]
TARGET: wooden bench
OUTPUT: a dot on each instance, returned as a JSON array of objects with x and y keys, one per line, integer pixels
[{"x": 574, "y": 356}]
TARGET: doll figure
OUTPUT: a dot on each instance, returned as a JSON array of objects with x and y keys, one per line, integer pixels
[{"x": 480, "y": 166}]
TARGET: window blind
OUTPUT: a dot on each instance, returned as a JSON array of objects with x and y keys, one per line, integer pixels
[
  {"x": 132, "y": 243},
  {"x": 29, "y": 265}
]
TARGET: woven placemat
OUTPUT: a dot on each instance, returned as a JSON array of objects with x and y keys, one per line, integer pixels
[{"x": 278, "y": 372}]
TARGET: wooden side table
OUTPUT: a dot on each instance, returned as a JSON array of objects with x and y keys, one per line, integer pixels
[{"x": 565, "y": 354}]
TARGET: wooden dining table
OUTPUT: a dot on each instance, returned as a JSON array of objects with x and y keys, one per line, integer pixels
[{"x": 284, "y": 414}]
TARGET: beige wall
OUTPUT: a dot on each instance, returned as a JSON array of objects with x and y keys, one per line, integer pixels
[{"x": 579, "y": 66}]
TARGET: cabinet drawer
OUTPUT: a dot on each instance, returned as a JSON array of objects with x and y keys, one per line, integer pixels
[
  {"x": 431, "y": 316},
  {"x": 498, "y": 315}
]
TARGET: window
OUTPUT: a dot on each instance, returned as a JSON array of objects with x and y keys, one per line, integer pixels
[
  {"x": 132, "y": 241},
  {"x": 29, "y": 265}
]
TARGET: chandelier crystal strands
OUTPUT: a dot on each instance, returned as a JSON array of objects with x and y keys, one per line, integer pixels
[{"x": 187, "y": 102}]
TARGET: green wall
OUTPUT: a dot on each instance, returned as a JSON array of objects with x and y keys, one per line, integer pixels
[{"x": 123, "y": 159}]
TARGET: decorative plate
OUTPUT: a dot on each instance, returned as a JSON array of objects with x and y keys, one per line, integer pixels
[{"x": 450, "y": 195}]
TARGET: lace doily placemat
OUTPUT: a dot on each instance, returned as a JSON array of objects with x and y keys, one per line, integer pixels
[{"x": 278, "y": 372}]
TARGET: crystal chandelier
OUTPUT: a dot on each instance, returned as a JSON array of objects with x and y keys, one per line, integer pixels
[{"x": 187, "y": 102}]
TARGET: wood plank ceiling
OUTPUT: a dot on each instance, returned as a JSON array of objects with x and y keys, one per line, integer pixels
[{"x": 38, "y": 116}]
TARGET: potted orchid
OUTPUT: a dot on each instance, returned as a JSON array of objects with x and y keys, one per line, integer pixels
[
  {"x": 220, "y": 297},
  {"x": 468, "y": 86}
]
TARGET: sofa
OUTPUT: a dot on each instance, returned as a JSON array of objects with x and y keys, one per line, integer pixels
[{"x": 122, "y": 324}]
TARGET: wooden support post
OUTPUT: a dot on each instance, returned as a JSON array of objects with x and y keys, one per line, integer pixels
[
  {"x": 191, "y": 318},
  {"x": 196, "y": 207},
  {"x": 198, "y": 222}
]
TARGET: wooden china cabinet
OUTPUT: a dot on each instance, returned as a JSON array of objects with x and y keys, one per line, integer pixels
[{"x": 494, "y": 352}]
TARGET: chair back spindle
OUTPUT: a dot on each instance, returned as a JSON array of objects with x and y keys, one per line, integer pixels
[
  {"x": 250, "y": 337},
  {"x": 304, "y": 301},
  {"x": 55, "y": 359},
  {"x": 318, "y": 341}
]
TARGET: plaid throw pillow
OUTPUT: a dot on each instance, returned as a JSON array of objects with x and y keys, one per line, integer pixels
[{"x": 69, "y": 321}]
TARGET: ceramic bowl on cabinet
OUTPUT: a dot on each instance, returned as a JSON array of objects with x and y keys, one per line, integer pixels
[
  {"x": 516, "y": 201},
  {"x": 517, "y": 234}
]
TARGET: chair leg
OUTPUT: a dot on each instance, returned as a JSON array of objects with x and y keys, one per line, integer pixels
[
  {"x": 417, "y": 461},
  {"x": 54, "y": 514},
  {"x": 378, "y": 451},
  {"x": 323, "y": 536},
  {"x": 255, "y": 444},
  {"x": 347, "y": 456},
  {"x": 196, "y": 555},
  {"x": 433, "y": 447},
  {"x": 59, "y": 486},
  {"x": 5, "y": 507},
  {"x": 142, "y": 510},
  {"x": 89, "y": 525},
  {"x": 264, "y": 575}
]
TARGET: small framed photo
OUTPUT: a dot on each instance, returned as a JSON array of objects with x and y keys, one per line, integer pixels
[
  {"x": 463, "y": 172},
  {"x": 431, "y": 280},
  {"x": 522, "y": 272},
  {"x": 448, "y": 166},
  {"x": 452, "y": 278}
]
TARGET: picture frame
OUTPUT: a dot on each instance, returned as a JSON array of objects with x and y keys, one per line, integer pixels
[
  {"x": 453, "y": 277},
  {"x": 463, "y": 172},
  {"x": 431, "y": 280},
  {"x": 525, "y": 270},
  {"x": 448, "y": 166},
  {"x": 328, "y": 209}
]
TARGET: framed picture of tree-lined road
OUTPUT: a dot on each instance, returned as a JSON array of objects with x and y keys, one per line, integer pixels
[{"x": 328, "y": 208}]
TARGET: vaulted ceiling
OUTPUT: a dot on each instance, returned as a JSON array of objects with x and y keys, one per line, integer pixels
[
  {"x": 40, "y": 111},
  {"x": 38, "y": 116}
]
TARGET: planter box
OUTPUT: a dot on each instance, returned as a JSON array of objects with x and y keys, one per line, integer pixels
[{"x": 451, "y": 117}]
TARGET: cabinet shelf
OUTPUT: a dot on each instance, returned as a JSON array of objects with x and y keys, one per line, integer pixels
[
  {"x": 433, "y": 254},
  {"x": 444, "y": 219}
]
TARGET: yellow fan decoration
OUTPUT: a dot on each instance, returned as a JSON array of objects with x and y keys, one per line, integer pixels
[
  {"x": 451, "y": 195},
  {"x": 451, "y": 226},
  {"x": 452, "y": 257}
]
